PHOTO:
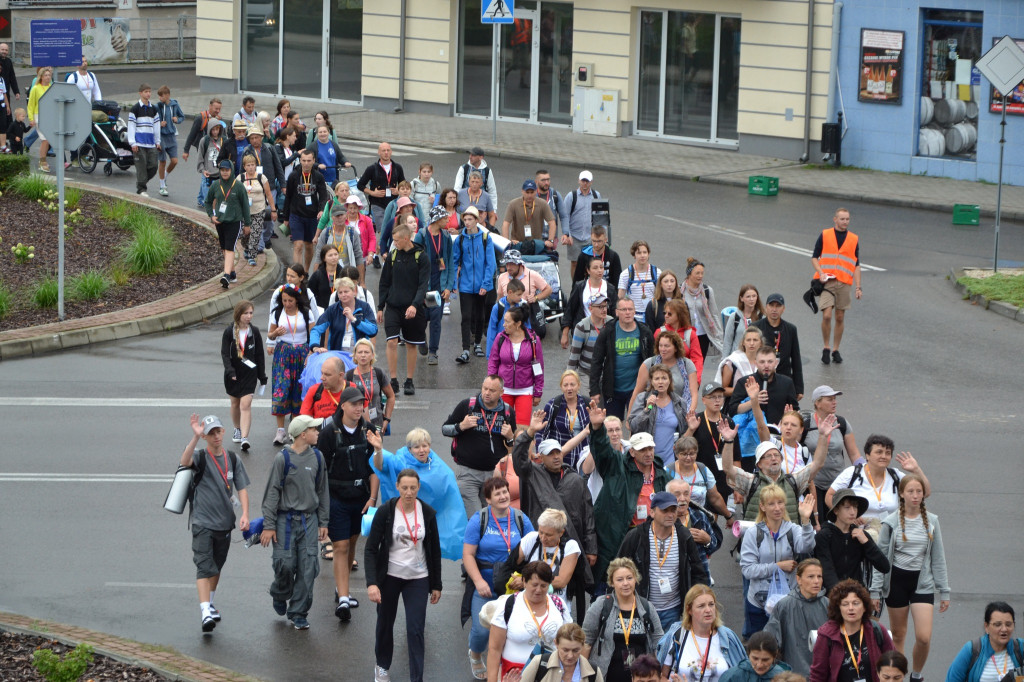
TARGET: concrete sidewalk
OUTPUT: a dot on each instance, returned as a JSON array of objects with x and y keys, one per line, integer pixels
[{"x": 635, "y": 155}]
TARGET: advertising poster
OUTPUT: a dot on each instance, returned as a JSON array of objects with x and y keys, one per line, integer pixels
[
  {"x": 105, "y": 40},
  {"x": 881, "y": 66},
  {"x": 1015, "y": 102}
]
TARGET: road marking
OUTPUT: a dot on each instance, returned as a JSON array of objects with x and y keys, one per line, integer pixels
[
  {"x": 740, "y": 235},
  {"x": 369, "y": 147},
  {"x": 85, "y": 478},
  {"x": 169, "y": 586},
  {"x": 43, "y": 401}
]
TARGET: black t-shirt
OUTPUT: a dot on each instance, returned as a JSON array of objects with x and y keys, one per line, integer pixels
[
  {"x": 709, "y": 443},
  {"x": 623, "y": 656},
  {"x": 848, "y": 672}
]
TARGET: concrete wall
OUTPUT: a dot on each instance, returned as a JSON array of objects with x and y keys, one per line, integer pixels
[{"x": 218, "y": 40}]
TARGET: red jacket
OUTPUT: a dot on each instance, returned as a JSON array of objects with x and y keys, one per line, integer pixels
[{"x": 830, "y": 648}]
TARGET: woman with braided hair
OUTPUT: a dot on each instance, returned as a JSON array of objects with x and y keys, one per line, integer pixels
[{"x": 911, "y": 540}]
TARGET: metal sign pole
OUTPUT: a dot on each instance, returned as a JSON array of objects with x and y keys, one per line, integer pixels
[
  {"x": 999, "y": 188},
  {"x": 495, "y": 71},
  {"x": 61, "y": 132}
]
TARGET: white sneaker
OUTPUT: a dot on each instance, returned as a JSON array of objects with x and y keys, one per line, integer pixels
[
  {"x": 143, "y": 194},
  {"x": 281, "y": 438},
  {"x": 237, "y": 437},
  {"x": 163, "y": 191},
  {"x": 380, "y": 674},
  {"x": 447, "y": 308}
]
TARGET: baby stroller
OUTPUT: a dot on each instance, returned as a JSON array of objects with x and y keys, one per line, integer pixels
[
  {"x": 545, "y": 263},
  {"x": 108, "y": 141}
]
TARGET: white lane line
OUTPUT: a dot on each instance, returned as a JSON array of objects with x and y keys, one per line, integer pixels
[
  {"x": 43, "y": 401},
  {"x": 126, "y": 477},
  {"x": 739, "y": 235},
  {"x": 70, "y": 478},
  {"x": 169, "y": 586}
]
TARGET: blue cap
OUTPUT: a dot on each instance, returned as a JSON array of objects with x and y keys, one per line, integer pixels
[
  {"x": 663, "y": 500},
  {"x": 226, "y": 163},
  {"x": 530, "y": 184}
]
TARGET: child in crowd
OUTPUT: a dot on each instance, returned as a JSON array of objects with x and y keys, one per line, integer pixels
[{"x": 425, "y": 188}]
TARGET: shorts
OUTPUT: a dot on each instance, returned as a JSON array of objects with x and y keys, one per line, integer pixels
[
  {"x": 302, "y": 229},
  {"x": 5, "y": 121},
  {"x": 836, "y": 295},
  {"x": 414, "y": 331},
  {"x": 903, "y": 590},
  {"x": 209, "y": 550},
  {"x": 573, "y": 251},
  {"x": 168, "y": 147},
  {"x": 346, "y": 520},
  {"x": 227, "y": 234}
]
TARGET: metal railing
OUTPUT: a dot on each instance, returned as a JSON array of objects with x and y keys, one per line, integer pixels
[{"x": 109, "y": 40}]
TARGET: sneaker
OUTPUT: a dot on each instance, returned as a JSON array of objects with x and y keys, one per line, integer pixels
[
  {"x": 252, "y": 262},
  {"x": 343, "y": 611},
  {"x": 245, "y": 445},
  {"x": 67, "y": 165},
  {"x": 478, "y": 350},
  {"x": 144, "y": 194},
  {"x": 280, "y": 607},
  {"x": 281, "y": 437},
  {"x": 464, "y": 358},
  {"x": 401, "y": 341},
  {"x": 447, "y": 308},
  {"x": 236, "y": 437},
  {"x": 376, "y": 261},
  {"x": 300, "y": 623},
  {"x": 163, "y": 191},
  {"x": 423, "y": 350},
  {"x": 409, "y": 389},
  {"x": 209, "y": 623},
  {"x": 234, "y": 277},
  {"x": 380, "y": 674},
  {"x": 826, "y": 358},
  {"x": 394, "y": 385},
  {"x": 214, "y": 613},
  {"x": 432, "y": 359},
  {"x": 200, "y": 205},
  {"x": 225, "y": 281},
  {"x": 837, "y": 358}
]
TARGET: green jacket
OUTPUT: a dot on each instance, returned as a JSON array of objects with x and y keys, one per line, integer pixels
[
  {"x": 616, "y": 505},
  {"x": 237, "y": 201}
]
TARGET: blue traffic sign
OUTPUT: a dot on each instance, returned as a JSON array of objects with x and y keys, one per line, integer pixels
[
  {"x": 56, "y": 42},
  {"x": 497, "y": 11}
]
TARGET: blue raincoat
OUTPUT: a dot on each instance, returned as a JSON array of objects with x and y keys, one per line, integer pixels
[{"x": 311, "y": 372}]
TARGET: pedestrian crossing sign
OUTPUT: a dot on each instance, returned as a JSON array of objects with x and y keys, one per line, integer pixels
[{"x": 497, "y": 11}]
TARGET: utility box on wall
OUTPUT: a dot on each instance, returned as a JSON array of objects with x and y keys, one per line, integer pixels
[{"x": 596, "y": 111}]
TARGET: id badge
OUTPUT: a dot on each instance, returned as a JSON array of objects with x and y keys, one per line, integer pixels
[
  {"x": 235, "y": 503},
  {"x": 529, "y": 231},
  {"x": 259, "y": 170},
  {"x": 718, "y": 461},
  {"x": 309, "y": 201},
  {"x": 641, "y": 512},
  {"x": 223, "y": 207},
  {"x": 250, "y": 202},
  {"x": 537, "y": 369},
  {"x": 387, "y": 192},
  {"x": 373, "y": 413},
  {"x": 664, "y": 585},
  {"x": 440, "y": 263},
  {"x": 248, "y": 363}
]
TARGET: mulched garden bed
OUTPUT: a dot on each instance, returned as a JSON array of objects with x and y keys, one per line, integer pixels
[
  {"x": 16, "y": 662},
  {"x": 92, "y": 246}
]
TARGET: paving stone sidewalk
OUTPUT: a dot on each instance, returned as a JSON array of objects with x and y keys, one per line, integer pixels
[
  {"x": 638, "y": 155},
  {"x": 162, "y": 660}
]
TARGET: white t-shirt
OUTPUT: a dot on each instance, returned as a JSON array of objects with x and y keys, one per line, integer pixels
[
  {"x": 407, "y": 558},
  {"x": 521, "y": 631},
  {"x": 294, "y": 326},
  {"x": 692, "y": 659},
  {"x": 882, "y": 501},
  {"x": 793, "y": 458},
  {"x": 552, "y": 556}
]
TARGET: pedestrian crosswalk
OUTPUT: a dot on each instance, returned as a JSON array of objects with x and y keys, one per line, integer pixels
[{"x": 369, "y": 148}]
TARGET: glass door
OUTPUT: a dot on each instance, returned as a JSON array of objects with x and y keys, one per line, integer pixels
[
  {"x": 554, "y": 60},
  {"x": 517, "y": 66},
  {"x": 302, "y": 67},
  {"x": 345, "y": 54},
  {"x": 652, "y": 25}
]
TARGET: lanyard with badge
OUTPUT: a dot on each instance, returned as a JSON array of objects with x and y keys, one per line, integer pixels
[
  {"x": 387, "y": 173},
  {"x": 224, "y": 195},
  {"x": 437, "y": 248},
  {"x": 627, "y": 630},
  {"x": 228, "y": 476},
  {"x": 855, "y": 658},
  {"x": 714, "y": 443},
  {"x": 368, "y": 392},
  {"x": 528, "y": 211},
  {"x": 307, "y": 187},
  {"x": 664, "y": 585}
]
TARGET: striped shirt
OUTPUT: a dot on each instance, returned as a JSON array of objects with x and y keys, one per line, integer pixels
[
  {"x": 143, "y": 122},
  {"x": 668, "y": 570},
  {"x": 909, "y": 554},
  {"x": 581, "y": 350}
]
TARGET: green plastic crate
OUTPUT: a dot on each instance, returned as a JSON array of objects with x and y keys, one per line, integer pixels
[
  {"x": 966, "y": 214},
  {"x": 763, "y": 185}
]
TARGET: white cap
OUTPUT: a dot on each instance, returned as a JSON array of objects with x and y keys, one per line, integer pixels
[
  {"x": 587, "y": 175},
  {"x": 548, "y": 446}
]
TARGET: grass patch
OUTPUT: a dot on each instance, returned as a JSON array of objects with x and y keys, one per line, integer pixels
[
  {"x": 89, "y": 286},
  {"x": 45, "y": 293},
  {"x": 114, "y": 211},
  {"x": 72, "y": 197},
  {"x": 11, "y": 166},
  {"x": 120, "y": 273},
  {"x": 150, "y": 250},
  {"x": 997, "y": 287},
  {"x": 33, "y": 186},
  {"x": 6, "y": 301},
  {"x": 139, "y": 219}
]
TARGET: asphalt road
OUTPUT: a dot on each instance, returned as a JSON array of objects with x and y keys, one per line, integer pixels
[{"x": 921, "y": 366}]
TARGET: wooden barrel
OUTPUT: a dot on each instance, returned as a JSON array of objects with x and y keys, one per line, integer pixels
[
  {"x": 961, "y": 138},
  {"x": 972, "y": 110},
  {"x": 927, "y": 110},
  {"x": 950, "y": 111},
  {"x": 931, "y": 142}
]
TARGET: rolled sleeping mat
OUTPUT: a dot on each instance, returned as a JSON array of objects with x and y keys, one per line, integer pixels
[{"x": 177, "y": 496}]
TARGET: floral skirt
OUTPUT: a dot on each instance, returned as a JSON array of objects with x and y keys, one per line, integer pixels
[{"x": 289, "y": 361}]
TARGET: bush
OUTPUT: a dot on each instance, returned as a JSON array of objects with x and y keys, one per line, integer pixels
[
  {"x": 149, "y": 251},
  {"x": 45, "y": 293},
  {"x": 72, "y": 667},
  {"x": 139, "y": 218},
  {"x": 5, "y": 301},
  {"x": 114, "y": 211},
  {"x": 89, "y": 286},
  {"x": 12, "y": 165},
  {"x": 33, "y": 186}
]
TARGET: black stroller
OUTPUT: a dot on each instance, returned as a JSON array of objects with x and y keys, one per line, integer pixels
[{"x": 108, "y": 141}]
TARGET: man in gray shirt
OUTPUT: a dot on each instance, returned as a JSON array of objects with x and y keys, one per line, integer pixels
[
  {"x": 296, "y": 509},
  {"x": 219, "y": 488}
]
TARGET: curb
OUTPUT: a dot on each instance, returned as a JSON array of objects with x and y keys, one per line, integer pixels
[
  {"x": 1007, "y": 310},
  {"x": 52, "y": 339},
  {"x": 123, "y": 650}
]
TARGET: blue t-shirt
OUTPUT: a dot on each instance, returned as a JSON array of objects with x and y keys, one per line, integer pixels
[
  {"x": 492, "y": 547},
  {"x": 240, "y": 146},
  {"x": 627, "y": 358},
  {"x": 325, "y": 155},
  {"x": 665, "y": 427},
  {"x": 698, "y": 486}
]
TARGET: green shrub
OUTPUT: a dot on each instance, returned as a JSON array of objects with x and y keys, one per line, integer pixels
[
  {"x": 89, "y": 286},
  {"x": 139, "y": 218},
  {"x": 114, "y": 211},
  {"x": 5, "y": 301},
  {"x": 72, "y": 197},
  {"x": 12, "y": 165},
  {"x": 45, "y": 293},
  {"x": 33, "y": 186},
  {"x": 120, "y": 274},
  {"x": 150, "y": 250},
  {"x": 72, "y": 667}
]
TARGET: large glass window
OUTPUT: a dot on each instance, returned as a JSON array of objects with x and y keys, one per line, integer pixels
[
  {"x": 950, "y": 96},
  {"x": 476, "y": 41},
  {"x": 302, "y": 69},
  {"x": 260, "y": 40},
  {"x": 555, "y": 64},
  {"x": 346, "y": 50},
  {"x": 649, "y": 87}
]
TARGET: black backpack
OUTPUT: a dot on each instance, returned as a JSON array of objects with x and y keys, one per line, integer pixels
[
  {"x": 606, "y": 609},
  {"x": 858, "y": 477}
]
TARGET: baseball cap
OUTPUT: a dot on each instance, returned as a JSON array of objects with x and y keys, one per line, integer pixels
[
  {"x": 338, "y": 209},
  {"x": 824, "y": 391},
  {"x": 353, "y": 199},
  {"x": 301, "y": 423},
  {"x": 641, "y": 440},
  {"x": 437, "y": 213},
  {"x": 548, "y": 446},
  {"x": 663, "y": 500},
  {"x": 351, "y": 394},
  {"x": 403, "y": 202},
  {"x": 598, "y": 300},
  {"x": 586, "y": 175},
  {"x": 210, "y": 423},
  {"x": 226, "y": 164},
  {"x": 763, "y": 449},
  {"x": 476, "y": 151},
  {"x": 529, "y": 184},
  {"x": 473, "y": 212},
  {"x": 775, "y": 298},
  {"x": 512, "y": 257},
  {"x": 710, "y": 388}
]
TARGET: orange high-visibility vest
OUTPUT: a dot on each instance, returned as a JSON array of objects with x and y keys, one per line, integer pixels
[
  {"x": 836, "y": 261},
  {"x": 522, "y": 32}
]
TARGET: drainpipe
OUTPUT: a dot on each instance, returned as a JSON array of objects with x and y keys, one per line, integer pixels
[
  {"x": 401, "y": 58},
  {"x": 807, "y": 84},
  {"x": 833, "y": 68}
]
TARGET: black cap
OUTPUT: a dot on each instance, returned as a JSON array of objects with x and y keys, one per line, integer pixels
[
  {"x": 775, "y": 298},
  {"x": 351, "y": 394}
]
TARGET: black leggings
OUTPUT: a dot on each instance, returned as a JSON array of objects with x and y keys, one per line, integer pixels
[
  {"x": 704, "y": 342},
  {"x": 472, "y": 308}
]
